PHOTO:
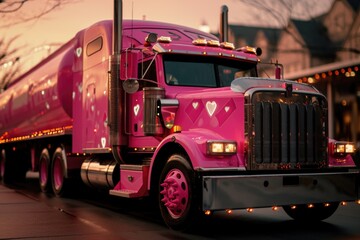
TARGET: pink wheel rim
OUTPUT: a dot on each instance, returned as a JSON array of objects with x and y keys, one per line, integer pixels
[
  {"x": 58, "y": 174},
  {"x": 175, "y": 193}
]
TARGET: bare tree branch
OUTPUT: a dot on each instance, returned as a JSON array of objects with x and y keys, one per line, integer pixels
[
  {"x": 17, "y": 12},
  {"x": 12, "y": 6},
  {"x": 9, "y": 61},
  {"x": 14, "y": 12}
]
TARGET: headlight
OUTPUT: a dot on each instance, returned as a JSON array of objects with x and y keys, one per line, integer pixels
[
  {"x": 343, "y": 148},
  {"x": 221, "y": 147}
]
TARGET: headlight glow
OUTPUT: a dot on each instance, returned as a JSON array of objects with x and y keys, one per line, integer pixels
[
  {"x": 343, "y": 148},
  {"x": 221, "y": 147}
]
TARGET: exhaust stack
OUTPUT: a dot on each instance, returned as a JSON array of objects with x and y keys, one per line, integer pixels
[
  {"x": 224, "y": 24},
  {"x": 115, "y": 103}
]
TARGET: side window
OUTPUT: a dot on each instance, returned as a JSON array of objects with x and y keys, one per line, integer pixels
[
  {"x": 94, "y": 46},
  {"x": 147, "y": 71}
]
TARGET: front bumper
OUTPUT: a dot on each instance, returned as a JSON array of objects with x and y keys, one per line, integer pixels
[{"x": 253, "y": 191}]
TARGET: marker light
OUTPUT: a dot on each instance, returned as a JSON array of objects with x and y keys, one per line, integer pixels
[
  {"x": 248, "y": 49},
  {"x": 200, "y": 41},
  {"x": 213, "y": 43},
  {"x": 164, "y": 39},
  {"x": 227, "y": 45},
  {"x": 221, "y": 147}
]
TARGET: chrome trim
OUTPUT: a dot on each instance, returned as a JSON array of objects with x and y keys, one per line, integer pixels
[{"x": 200, "y": 169}]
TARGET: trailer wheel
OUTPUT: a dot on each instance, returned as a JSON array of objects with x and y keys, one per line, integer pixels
[
  {"x": 177, "y": 199},
  {"x": 317, "y": 212},
  {"x": 2, "y": 164},
  {"x": 44, "y": 171},
  {"x": 58, "y": 173}
]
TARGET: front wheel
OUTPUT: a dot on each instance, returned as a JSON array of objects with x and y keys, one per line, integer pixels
[
  {"x": 177, "y": 198},
  {"x": 316, "y": 212}
]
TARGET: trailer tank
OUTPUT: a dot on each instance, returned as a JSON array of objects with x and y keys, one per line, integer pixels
[{"x": 42, "y": 96}]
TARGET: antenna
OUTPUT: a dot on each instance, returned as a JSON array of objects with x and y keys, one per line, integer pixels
[{"x": 132, "y": 20}]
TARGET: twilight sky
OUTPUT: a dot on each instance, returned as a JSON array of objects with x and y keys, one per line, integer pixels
[{"x": 63, "y": 23}]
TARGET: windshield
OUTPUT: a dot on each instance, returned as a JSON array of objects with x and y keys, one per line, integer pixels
[{"x": 205, "y": 71}]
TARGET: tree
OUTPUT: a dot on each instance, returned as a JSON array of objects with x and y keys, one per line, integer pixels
[
  {"x": 17, "y": 11},
  {"x": 13, "y": 12},
  {"x": 9, "y": 62}
]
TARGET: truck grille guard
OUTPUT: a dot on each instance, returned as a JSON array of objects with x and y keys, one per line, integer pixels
[{"x": 286, "y": 131}]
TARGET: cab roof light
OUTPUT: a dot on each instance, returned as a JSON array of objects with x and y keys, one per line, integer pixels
[
  {"x": 213, "y": 43},
  {"x": 248, "y": 49},
  {"x": 164, "y": 39},
  {"x": 200, "y": 42},
  {"x": 227, "y": 45}
]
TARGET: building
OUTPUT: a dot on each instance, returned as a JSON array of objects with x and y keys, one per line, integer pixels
[{"x": 325, "y": 52}]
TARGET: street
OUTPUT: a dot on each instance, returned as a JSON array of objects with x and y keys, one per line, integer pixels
[{"x": 26, "y": 213}]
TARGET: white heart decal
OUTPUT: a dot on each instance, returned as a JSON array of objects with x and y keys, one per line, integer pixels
[
  {"x": 78, "y": 51},
  {"x": 195, "y": 105},
  {"x": 136, "y": 109},
  {"x": 227, "y": 109},
  {"x": 103, "y": 142},
  {"x": 211, "y": 107}
]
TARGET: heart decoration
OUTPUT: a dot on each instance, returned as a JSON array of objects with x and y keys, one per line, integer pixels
[
  {"x": 227, "y": 108},
  {"x": 195, "y": 105},
  {"x": 78, "y": 51},
  {"x": 136, "y": 109},
  {"x": 211, "y": 107},
  {"x": 103, "y": 142}
]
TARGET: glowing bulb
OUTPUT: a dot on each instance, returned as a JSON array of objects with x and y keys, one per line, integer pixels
[
  {"x": 207, "y": 212},
  {"x": 275, "y": 208},
  {"x": 228, "y": 211},
  {"x": 250, "y": 210}
]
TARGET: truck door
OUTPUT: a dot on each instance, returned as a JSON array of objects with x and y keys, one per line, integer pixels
[{"x": 97, "y": 48}]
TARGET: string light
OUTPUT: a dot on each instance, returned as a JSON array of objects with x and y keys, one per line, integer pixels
[{"x": 349, "y": 72}]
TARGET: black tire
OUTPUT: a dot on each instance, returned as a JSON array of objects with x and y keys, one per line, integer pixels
[
  {"x": 177, "y": 198},
  {"x": 2, "y": 164},
  {"x": 44, "y": 172},
  {"x": 318, "y": 212},
  {"x": 58, "y": 173}
]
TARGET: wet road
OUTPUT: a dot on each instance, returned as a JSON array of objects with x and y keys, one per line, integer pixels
[{"x": 26, "y": 213}]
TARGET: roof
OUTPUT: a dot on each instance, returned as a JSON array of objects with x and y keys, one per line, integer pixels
[
  {"x": 249, "y": 33},
  {"x": 355, "y": 4},
  {"x": 314, "y": 34}
]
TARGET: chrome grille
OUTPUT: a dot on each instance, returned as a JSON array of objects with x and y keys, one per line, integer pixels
[{"x": 287, "y": 132}]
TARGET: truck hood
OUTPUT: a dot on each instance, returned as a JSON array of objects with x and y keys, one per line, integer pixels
[{"x": 244, "y": 84}]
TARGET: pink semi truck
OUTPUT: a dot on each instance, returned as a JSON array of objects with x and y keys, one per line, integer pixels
[{"x": 149, "y": 109}]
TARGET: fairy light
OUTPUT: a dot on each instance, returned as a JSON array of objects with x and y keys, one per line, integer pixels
[
  {"x": 207, "y": 212},
  {"x": 228, "y": 211},
  {"x": 250, "y": 210}
]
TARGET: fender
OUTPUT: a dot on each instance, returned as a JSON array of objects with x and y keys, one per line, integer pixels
[{"x": 194, "y": 143}]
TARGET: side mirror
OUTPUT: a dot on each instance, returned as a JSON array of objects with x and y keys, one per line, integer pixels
[{"x": 131, "y": 85}]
